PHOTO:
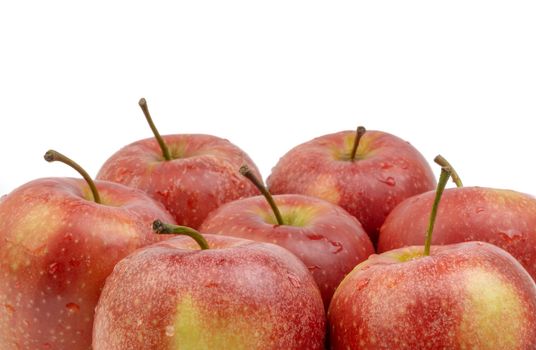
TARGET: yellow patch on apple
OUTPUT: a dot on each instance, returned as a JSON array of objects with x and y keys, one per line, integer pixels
[
  {"x": 31, "y": 233},
  {"x": 492, "y": 305},
  {"x": 195, "y": 329}
]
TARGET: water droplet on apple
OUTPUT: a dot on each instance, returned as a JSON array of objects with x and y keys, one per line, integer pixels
[
  {"x": 170, "y": 331},
  {"x": 314, "y": 236},
  {"x": 73, "y": 307},
  {"x": 337, "y": 246},
  {"x": 390, "y": 181},
  {"x": 53, "y": 268},
  {"x": 312, "y": 268},
  {"x": 293, "y": 280},
  {"x": 362, "y": 284},
  {"x": 510, "y": 235},
  {"x": 385, "y": 165}
]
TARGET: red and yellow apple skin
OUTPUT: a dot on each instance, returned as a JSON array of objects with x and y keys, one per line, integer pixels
[
  {"x": 57, "y": 247},
  {"x": 386, "y": 171},
  {"x": 324, "y": 236},
  {"x": 236, "y": 295},
  {"x": 201, "y": 176},
  {"x": 470, "y": 295},
  {"x": 502, "y": 217}
]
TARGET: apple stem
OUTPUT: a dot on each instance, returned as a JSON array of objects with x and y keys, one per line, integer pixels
[
  {"x": 159, "y": 139},
  {"x": 163, "y": 228},
  {"x": 446, "y": 172},
  {"x": 52, "y": 156},
  {"x": 439, "y": 159},
  {"x": 246, "y": 171},
  {"x": 358, "y": 134}
]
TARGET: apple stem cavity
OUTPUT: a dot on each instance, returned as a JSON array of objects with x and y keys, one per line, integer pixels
[
  {"x": 446, "y": 172},
  {"x": 439, "y": 159},
  {"x": 53, "y": 156},
  {"x": 163, "y": 228},
  {"x": 358, "y": 134},
  {"x": 246, "y": 172},
  {"x": 158, "y": 137}
]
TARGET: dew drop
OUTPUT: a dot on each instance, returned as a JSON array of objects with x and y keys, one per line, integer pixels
[
  {"x": 385, "y": 165},
  {"x": 390, "y": 181},
  {"x": 53, "y": 268},
  {"x": 73, "y": 307},
  {"x": 362, "y": 284},
  {"x": 170, "y": 331},
  {"x": 337, "y": 246},
  {"x": 510, "y": 235},
  {"x": 312, "y": 268}
]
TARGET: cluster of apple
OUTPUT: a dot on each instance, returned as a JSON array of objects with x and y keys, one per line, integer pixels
[{"x": 179, "y": 245}]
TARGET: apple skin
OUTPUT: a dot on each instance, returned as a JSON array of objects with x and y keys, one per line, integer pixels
[
  {"x": 57, "y": 246},
  {"x": 202, "y": 175},
  {"x": 470, "y": 295},
  {"x": 502, "y": 217},
  {"x": 324, "y": 236},
  {"x": 386, "y": 171},
  {"x": 238, "y": 294}
]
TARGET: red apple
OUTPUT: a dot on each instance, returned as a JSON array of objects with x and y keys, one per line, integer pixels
[
  {"x": 502, "y": 217},
  {"x": 191, "y": 174},
  {"x": 367, "y": 175},
  {"x": 57, "y": 246},
  {"x": 470, "y": 295},
  {"x": 237, "y": 294},
  {"x": 324, "y": 236}
]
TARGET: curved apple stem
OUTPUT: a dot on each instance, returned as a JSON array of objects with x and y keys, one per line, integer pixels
[
  {"x": 360, "y": 131},
  {"x": 246, "y": 171},
  {"x": 446, "y": 172},
  {"x": 53, "y": 156},
  {"x": 163, "y": 228},
  {"x": 159, "y": 139},
  {"x": 439, "y": 159}
]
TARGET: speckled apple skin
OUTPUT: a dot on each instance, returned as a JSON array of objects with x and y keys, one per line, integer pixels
[
  {"x": 57, "y": 247},
  {"x": 470, "y": 295},
  {"x": 237, "y": 295},
  {"x": 202, "y": 175},
  {"x": 501, "y": 217},
  {"x": 386, "y": 171},
  {"x": 329, "y": 240}
]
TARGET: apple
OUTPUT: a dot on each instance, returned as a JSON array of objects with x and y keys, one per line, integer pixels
[
  {"x": 329, "y": 240},
  {"x": 471, "y": 295},
  {"x": 59, "y": 240},
  {"x": 504, "y": 218},
  {"x": 367, "y": 174},
  {"x": 191, "y": 174},
  {"x": 230, "y": 294}
]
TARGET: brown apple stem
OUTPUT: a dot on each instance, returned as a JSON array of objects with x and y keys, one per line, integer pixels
[
  {"x": 439, "y": 159},
  {"x": 358, "y": 134},
  {"x": 246, "y": 171},
  {"x": 159, "y": 139},
  {"x": 441, "y": 184},
  {"x": 163, "y": 228},
  {"x": 52, "y": 156}
]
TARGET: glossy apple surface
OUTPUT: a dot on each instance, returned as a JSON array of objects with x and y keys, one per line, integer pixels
[
  {"x": 386, "y": 171},
  {"x": 238, "y": 294},
  {"x": 470, "y": 295},
  {"x": 57, "y": 247},
  {"x": 502, "y": 217},
  {"x": 324, "y": 236},
  {"x": 201, "y": 176}
]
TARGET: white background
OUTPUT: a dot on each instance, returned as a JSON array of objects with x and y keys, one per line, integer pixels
[{"x": 451, "y": 77}]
